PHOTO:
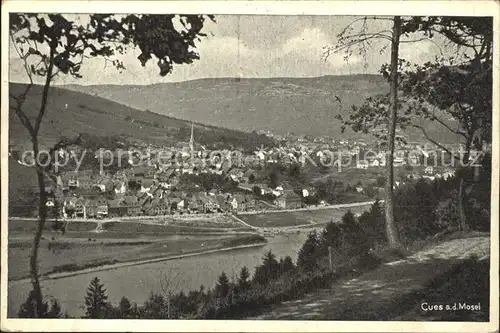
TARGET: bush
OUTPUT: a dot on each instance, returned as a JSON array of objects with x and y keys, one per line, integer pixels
[
  {"x": 369, "y": 261},
  {"x": 28, "y": 308},
  {"x": 256, "y": 299},
  {"x": 72, "y": 267}
]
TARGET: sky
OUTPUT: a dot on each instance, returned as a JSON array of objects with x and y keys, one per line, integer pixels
[{"x": 253, "y": 46}]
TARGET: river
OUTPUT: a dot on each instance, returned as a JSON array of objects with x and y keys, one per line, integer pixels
[{"x": 137, "y": 282}]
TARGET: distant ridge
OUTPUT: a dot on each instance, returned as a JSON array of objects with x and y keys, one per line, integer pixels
[
  {"x": 277, "y": 104},
  {"x": 235, "y": 78},
  {"x": 305, "y": 105},
  {"x": 71, "y": 112}
]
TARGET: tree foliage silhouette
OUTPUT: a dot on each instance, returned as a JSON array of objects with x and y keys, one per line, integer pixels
[
  {"x": 458, "y": 87},
  {"x": 269, "y": 269},
  {"x": 310, "y": 252},
  {"x": 96, "y": 300},
  {"x": 244, "y": 279},
  {"x": 222, "y": 286},
  {"x": 29, "y": 308}
]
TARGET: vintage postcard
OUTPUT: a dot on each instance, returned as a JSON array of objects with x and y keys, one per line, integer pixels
[{"x": 250, "y": 166}]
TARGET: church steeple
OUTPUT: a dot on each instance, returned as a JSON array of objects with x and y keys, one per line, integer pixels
[{"x": 191, "y": 141}]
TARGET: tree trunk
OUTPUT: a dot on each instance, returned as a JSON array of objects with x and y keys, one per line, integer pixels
[
  {"x": 168, "y": 306},
  {"x": 461, "y": 190},
  {"x": 461, "y": 207},
  {"x": 42, "y": 215},
  {"x": 391, "y": 229}
]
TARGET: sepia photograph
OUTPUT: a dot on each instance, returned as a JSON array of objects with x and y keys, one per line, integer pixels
[{"x": 264, "y": 166}]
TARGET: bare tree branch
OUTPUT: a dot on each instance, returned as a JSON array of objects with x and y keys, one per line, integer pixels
[
  {"x": 170, "y": 281},
  {"x": 364, "y": 18},
  {"x": 448, "y": 127},
  {"x": 23, "y": 118},
  {"x": 45, "y": 92},
  {"x": 424, "y": 132}
]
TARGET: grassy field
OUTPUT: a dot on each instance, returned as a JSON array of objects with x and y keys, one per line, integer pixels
[
  {"x": 347, "y": 173},
  {"x": 326, "y": 215},
  {"x": 125, "y": 229},
  {"x": 203, "y": 222},
  {"x": 71, "y": 255},
  {"x": 273, "y": 220},
  {"x": 288, "y": 219},
  {"x": 129, "y": 229},
  {"x": 80, "y": 247},
  {"x": 80, "y": 226}
]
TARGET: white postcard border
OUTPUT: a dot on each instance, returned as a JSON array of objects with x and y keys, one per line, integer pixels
[{"x": 464, "y": 8}]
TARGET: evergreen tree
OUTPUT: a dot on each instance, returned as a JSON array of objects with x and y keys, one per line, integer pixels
[
  {"x": 349, "y": 218},
  {"x": 354, "y": 240},
  {"x": 271, "y": 265},
  {"x": 243, "y": 279},
  {"x": 310, "y": 252},
  {"x": 96, "y": 300},
  {"x": 377, "y": 221},
  {"x": 180, "y": 305},
  {"x": 260, "y": 276},
  {"x": 125, "y": 307},
  {"x": 269, "y": 270},
  {"x": 331, "y": 236},
  {"x": 222, "y": 286},
  {"x": 155, "y": 307},
  {"x": 286, "y": 265}
]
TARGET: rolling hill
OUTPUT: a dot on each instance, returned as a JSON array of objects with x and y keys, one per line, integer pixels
[
  {"x": 278, "y": 104},
  {"x": 70, "y": 113},
  {"x": 299, "y": 105}
]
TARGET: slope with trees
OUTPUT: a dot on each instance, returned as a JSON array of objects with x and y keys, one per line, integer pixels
[{"x": 458, "y": 88}]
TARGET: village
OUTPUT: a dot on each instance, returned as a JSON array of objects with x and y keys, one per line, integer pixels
[{"x": 193, "y": 181}]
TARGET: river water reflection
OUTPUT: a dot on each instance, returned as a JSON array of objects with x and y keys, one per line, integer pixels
[{"x": 137, "y": 282}]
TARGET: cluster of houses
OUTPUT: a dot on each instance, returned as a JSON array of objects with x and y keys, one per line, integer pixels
[
  {"x": 153, "y": 204},
  {"x": 135, "y": 192},
  {"x": 285, "y": 195},
  {"x": 149, "y": 190}
]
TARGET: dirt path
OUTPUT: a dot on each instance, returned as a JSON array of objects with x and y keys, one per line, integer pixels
[
  {"x": 311, "y": 208},
  {"x": 243, "y": 222},
  {"x": 369, "y": 296}
]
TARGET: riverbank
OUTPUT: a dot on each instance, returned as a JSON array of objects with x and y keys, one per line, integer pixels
[{"x": 55, "y": 276}]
